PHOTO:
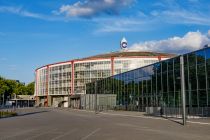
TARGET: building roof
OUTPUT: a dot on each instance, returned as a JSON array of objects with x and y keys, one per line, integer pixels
[
  {"x": 24, "y": 97},
  {"x": 120, "y": 54},
  {"x": 130, "y": 54}
]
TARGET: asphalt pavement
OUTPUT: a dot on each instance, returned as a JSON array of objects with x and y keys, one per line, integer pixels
[{"x": 68, "y": 124}]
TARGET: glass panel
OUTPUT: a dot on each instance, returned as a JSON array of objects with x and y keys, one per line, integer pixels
[
  {"x": 171, "y": 81},
  {"x": 171, "y": 101},
  {"x": 164, "y": 80},
  {"x": 149, "y": 85},
  {"x": 208, "y": 98},
  {"x": 140, "y": 86},
  {"x": 200, "y": 56},
  {"x": 192, "y": 59},
  {"x": 164, "y": 66},
  {"x": 202, "y": 98},
  {"x": 120, "y": 90},
  {"x": 170, "y": 64},
  {"x": 201, "y": 77},
  {"x": 186, "y": 78},
  {"x": 187, "y": 98},
  {"x": 145, "y": 91},
  {"x": 177, "y": 63},
  {"x": 185, "y": 60},
  {"x": 177, "y": 80},
  {"x": 159, "y": 83},
  {"x": 192, "y": 78},
  {"x": 178, "y": 99},
  {"x": 136, "y": 92},
  {"x": 207, "y": 50},
  {"x": 194, "y": 99}
]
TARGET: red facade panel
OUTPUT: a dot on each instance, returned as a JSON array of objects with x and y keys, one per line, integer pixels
[{"x": 72, "y": 78}]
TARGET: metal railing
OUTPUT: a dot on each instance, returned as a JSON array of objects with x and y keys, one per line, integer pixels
[{"x": 191, "y": 112}]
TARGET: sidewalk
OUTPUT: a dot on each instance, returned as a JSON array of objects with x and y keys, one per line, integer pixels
[
  {"x": 201, "y": 121},
  {"x": 205, "y": 121}
]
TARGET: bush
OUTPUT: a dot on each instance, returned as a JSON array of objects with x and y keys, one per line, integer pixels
[{"x": 7, "y": 114}]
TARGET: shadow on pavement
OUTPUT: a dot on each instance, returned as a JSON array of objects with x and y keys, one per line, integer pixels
[
  {"x": 31, "y": 113},
  {"x": 25, "y": 114},
  {"x": 176, "y": 120}
]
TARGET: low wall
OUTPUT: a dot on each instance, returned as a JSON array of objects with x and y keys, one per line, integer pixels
[
  {"x": 153, "y": 110},
  {"x": 103, "y": 101}
]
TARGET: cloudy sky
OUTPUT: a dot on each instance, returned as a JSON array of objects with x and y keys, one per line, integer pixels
[{"x": 37, "y": 32}]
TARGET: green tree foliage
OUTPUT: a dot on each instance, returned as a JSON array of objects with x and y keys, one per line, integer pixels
[
  {"x": 9, "y": 87},
  {"x": 3, "y": 87},
  {"x": 20, "y": 89},
  {"x": 30, "y": 88}
]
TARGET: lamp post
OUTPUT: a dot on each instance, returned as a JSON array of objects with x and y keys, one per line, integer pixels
[{"x": 183, "y": 89}]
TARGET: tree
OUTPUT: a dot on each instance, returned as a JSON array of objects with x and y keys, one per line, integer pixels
[
  {"x": 3, "y": 86},
  {"x": 3, "y": 89},
  {"x": 9, "y": 87},
  {"x": 30, "y": 88},
  {"x": 20, "y": 89}
]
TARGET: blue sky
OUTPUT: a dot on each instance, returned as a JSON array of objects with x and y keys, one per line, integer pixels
[{"x": 37, "y": 32}]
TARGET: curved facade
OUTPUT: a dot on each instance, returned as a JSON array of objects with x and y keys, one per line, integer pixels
[{"x": 55, "y": 82}]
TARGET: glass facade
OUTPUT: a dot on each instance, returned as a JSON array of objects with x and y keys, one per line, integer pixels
[
  {"x": 86, "y": 72},
  {"x": 70, "y": 78},
  {"x": 60, "y": 79},
  {"x": 56, "y": 79},
  {"x": 41, "y": 82},
  {"x": 159, "y": 86}
]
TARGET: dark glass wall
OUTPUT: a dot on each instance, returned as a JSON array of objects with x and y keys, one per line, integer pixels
[{"x": 159, "y": 85}]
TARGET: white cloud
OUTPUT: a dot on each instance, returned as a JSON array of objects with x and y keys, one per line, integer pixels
[
  {"x": 10, "y": 9},
  {"x": 171, "y": 13},
  {"x": 125, "y": 24},
  {"x": 109, "y": 1},
  {"x": 18, "y": 11},
  {"x": 90, "y": 8},
  {"x": 24, "y": 13},
  {"x": 75, "y": 11},
  {"x": 189, "y": 42},
  {"x": 117, "y": 24},
  {"x": 208, "y": 33},
  {"x": 180, "y": 16}
]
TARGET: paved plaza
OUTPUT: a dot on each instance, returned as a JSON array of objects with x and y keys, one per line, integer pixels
[{"x": 67, "y": 124}]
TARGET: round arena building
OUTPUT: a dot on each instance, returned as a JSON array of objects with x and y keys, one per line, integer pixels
[{"x": 58, "y": 83}]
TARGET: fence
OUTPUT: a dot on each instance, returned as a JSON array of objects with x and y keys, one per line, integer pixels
[{"x": 191, "y": 112}]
